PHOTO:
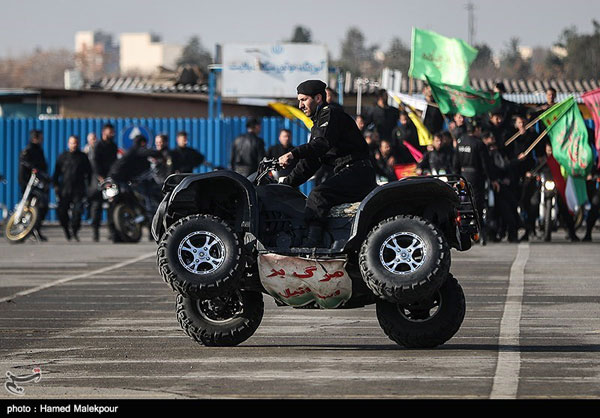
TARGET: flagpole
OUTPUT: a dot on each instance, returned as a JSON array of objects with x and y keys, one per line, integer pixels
[
  {"x": 534, "y": 143},
  {"x": 518, "y": 133}
]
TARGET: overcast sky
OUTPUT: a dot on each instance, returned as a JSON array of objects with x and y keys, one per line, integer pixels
[{"x": 26, "y": 24}]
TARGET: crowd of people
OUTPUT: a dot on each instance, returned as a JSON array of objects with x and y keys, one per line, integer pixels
[{"x": 503, "y": 176}]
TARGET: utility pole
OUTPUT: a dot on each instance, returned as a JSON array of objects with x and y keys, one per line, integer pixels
[{"x": 471, "y": 11}]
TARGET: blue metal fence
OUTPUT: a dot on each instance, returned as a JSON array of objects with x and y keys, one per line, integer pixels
[{"x": 212, "y": 137}]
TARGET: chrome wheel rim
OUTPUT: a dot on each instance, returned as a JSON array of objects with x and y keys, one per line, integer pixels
[
  {"x": 403, "y": 253},
  {"x": 201, "y": 252}
]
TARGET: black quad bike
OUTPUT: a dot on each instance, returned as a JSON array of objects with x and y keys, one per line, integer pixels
[{"x": 224, "y": 240}]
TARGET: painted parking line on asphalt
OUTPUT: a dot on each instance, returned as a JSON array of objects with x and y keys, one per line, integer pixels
[
  {"x": 79, "y": 276},
  {"x": 506, "y": 377}
]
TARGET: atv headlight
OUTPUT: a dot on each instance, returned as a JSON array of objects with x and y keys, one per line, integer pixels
[
  {"x": 110, "y": 192},
  {"x": 549, "y": 185}
]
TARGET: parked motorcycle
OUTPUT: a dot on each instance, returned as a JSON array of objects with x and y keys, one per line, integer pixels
[
  {"x": 26, "y": 217},
  {"x": 132, "y": 205}
]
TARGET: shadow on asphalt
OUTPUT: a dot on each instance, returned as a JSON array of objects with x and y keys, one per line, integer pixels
[{"x": 593, "y": 348}]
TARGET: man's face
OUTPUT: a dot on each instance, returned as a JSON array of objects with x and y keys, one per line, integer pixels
[
  {"x": 403, "y": 119},
  {"x": 308, "y": 105},
  {"x": 437, "y": 143},
  {"x": 285, "y": 138},
  {"x": 159, "y": 143},
  {"x": 256, "y": 129},
  {"x": 38, "y": 140},
  {"x": 108, "y": 133},
  {"x": 519, "y": 123},
  {"x": 182, "y": 141},
  {"x": 73, "y": 144},
  {"x": 360, "y": 122},
  {"x": 459, "y": 119},
  {"x": 91, "y": 139},
  {"x": 550, "y": 97},
  {"x": 489, "y": 141},
  {"x": 496, "y": 119},
  {"x": 385, "y": 148}
]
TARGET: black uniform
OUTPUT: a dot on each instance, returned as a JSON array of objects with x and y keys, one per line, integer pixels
[
  {"x": 335, "y": 140},
  {"x": 185, "y": 159},
  {"x": 105, "y": 154},
  {"x": 473, "y": 162},
  {"x": 72, "y": 174},
  {"x": 277, "y": 151},
  {"x": 385, "y": 120},
  {"x": 32, "y": 157},
  {"x": 434, "y": 120},
  {"x": 437, "y": 162},
  {"x": 246, "y": 152},
  {"x": 164, "y": 166}
]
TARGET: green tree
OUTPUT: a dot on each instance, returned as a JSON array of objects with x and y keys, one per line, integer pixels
[
  {"x": 512, "y": 64},
  {"x": 583, "y": 53},
  {"x": 301, "y": 35},
  {"x": 483, "y": 66},
  {"x": 356, "y": 56},
  {"x": 397, "y": 56},
  {"x": 195, "y": 54}
]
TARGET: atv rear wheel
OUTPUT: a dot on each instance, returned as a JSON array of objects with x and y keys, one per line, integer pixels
[
  {"x": 404, "y": 259},
  {"x": 200, "y": 256},
  {"x": 428, "y": 323},
  {"x": 221, "y": 321}
]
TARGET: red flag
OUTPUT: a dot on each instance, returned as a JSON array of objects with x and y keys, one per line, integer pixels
[
  {"x": 557, "y": 177},
  {"x": 592, "y": 101}
]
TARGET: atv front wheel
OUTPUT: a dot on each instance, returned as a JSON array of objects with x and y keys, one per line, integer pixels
[
  {"x": 200, "y": 256},
  {"x": 426, "y": 324},
  {"x": 221, "y": 321},
  {"x": 18, "y": 231},
  {"x": 404, "y": 259}
]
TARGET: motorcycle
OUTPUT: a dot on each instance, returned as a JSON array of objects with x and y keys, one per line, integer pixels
[
  {"x": 131, "y": 204},
  {"x": 548, "y": 210},
  {"x": 26, "y": 217}
]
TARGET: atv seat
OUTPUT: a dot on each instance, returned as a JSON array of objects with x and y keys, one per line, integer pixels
[{"x": 345, "y": 210}]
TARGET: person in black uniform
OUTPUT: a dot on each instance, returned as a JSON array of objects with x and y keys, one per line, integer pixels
[
  {"x": 32, "y": 157},
  {"x": 248, "y": 149},
  {"x": 184, "y": 158},
  {"x": 434, "y": 120},
  {"x": 436, "y": 161},
  {"x": 105, "y": 154},
  {"x": 472, "y": 161},
  {"x": 72, "y": 174},
  {"x": 164, "y": 166},
  {"x": 283, "y": 147},
  {"x": 384, "y": 117},
  {"x": 334, "y": 139}
]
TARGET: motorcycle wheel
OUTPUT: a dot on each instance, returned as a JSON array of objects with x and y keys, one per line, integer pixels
[
  {"x": 125, "y": 225},
  {"x": 404, "y": 259},
  {"x": 428, "y": 323},
  {"x": 548, "y": 220},
  {"x": 222, "y": 321},
  {"x": 19, "y": 231}
]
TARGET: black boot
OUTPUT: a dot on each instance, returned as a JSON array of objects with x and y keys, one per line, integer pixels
[
  {"x": 96, "y": 236},
  {"x": 67, "y": 234},
  {"x": 313, "y": 236}
]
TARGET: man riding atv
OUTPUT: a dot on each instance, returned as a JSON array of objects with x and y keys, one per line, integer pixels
[
  {"x": 225, "y": 240},
  {"x": 334, "y": 140}
]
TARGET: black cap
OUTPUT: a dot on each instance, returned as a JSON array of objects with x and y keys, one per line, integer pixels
[{"x": 312, "y": 87}]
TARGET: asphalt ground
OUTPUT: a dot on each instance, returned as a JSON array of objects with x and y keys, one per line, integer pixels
[{"x": 99, "y": 322}]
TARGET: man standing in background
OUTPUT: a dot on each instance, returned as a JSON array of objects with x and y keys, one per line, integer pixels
[{"x": 248, "y": 149}]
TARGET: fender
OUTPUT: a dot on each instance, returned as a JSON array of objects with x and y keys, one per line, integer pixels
[
  {"x": 192, "y": 187},
  {"x": 412, "y": 195}
]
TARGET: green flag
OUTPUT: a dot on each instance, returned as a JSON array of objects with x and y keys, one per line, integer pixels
[
  {"x": 569, "y": 137},
  {"x": 463, "y": 100},
  {"x": 444, "y": 60}
]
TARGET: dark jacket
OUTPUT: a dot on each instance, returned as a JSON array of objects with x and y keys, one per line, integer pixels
[
  {"x": 437, "y": 162},
  {"x": 72, "y": 174},
  {"x": 434, "y": 121},
  {"x": 105, "y": 154},
  {"x": 185, "y": 159},
  {"x": 277, "y": 151},
  {"x": 31, "y": 157},
  {"x": 334, "y": 140},
  {"x": 472, "y": 160},
  {"x": 385, "y": 120},
  {"x": 133, "y": 163},
  {"x": 246, "y": 152}
]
